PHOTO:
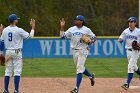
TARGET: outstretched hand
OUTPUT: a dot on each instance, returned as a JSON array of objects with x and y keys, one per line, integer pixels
[
  {"x": 62, "y": 22},
  {"x": 32, "y": 23}
]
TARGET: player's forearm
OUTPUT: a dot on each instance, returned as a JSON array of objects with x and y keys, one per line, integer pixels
[
  {"x": 61, "y": 31},
  {"x": 32, "y": 23},
  {"x": 32, "y": 33},
  {"x": 33, "y": 26},
  {"x": 94, "y": 39},
  {"x": 62, "y": 28}
]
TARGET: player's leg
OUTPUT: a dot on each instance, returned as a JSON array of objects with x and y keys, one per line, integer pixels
[
  {"x": 132, "y": 65},
  {"x": 138, "y": 71},
  {"x": 86, "y": 72},
  {"x": 130, "y": 72},
  {"x": 17, "y": 72},
  {"x": 129, "y": 75},
  {"x": 75, "y": 56},
  {"x": 8, "y": 74},
  {"x": 131, "y": 68},
  {"x": 90, "y": 76},
  {"x": 75, "y": 59},
  {"x": 81, "y": 67},
  {"x": 82, "y": 59},
  {"x": 78, "y": 76}
]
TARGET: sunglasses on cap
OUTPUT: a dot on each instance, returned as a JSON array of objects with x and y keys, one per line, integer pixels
[
  {"x": 78, "y": 20},
  {"x": 131, "y": 21}
]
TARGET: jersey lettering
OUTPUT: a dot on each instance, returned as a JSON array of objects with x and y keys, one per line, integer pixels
[
  {"x": 131, "y": 37},
  {"x": 77, "y": 33}
]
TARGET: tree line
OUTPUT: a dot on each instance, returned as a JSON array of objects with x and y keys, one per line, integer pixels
[{"x": 104, "y": 17}]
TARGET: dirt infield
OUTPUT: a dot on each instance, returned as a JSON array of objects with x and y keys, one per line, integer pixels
[{"x": 64, "y": 85}]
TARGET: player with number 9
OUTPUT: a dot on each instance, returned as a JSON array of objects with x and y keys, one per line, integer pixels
[{"x": 12, "y": 38}]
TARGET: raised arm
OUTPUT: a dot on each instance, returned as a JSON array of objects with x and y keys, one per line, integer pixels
[
  {"x": 32, "y": 23},
  {"x": 62, "y": 26}
]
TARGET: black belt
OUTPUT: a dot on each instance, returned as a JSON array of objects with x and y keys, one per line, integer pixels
[
  {"x": 129, "y": 49},
  {"x": 76, "y": 49},
  {"x": 79, "y": 49},
  {"x": 16, "y": 50}
]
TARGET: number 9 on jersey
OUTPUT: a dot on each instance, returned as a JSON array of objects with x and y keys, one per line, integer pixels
[{"x": 10, "y": 36}]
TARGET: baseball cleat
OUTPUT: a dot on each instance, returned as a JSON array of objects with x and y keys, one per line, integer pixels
[
  {"x": 6, "y": 91},
  {"x": 92, "y": 79},
  {"x": 74, "y": 91},
  {"x": 125, "y": 86},
  {"x": 16, "y": 91}
]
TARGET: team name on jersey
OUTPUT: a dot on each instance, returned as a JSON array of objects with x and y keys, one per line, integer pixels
[
  {"x": 77, "y": 34},
  {"x": 131, "y": 37}
]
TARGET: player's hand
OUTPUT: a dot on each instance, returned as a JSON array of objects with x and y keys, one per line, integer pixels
[
  {"x": 120, "y": 40},
  {"x": 62, "y": 23},
  {"x": 1, "y": 28},
  {"x": 138, "y": 44},
  {"x": 32, "y": 23},
  {"x": 92, "y": 41}
]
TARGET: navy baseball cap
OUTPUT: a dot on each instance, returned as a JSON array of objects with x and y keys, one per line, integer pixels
[
  {"x": 132, "y": 19},
  {"x": 13, "y": 17},
  {"x": 80, "y": 17}
]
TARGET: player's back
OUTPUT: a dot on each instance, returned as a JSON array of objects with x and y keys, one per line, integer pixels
[{"x": 12, "y": 36}]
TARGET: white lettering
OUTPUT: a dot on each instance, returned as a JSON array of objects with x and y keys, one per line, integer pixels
[
  {"x": 106, "y": 50},
  {"x": 119, "y": 46},
  {"x": 60, "y": 47},
  {"x": 46, "y": 45},
  {"x": 96, "y": 47}
]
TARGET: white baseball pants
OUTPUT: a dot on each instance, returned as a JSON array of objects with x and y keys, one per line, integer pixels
[
  {"x": 79, "y": 57},
  {"x": 13, "y": 62}
]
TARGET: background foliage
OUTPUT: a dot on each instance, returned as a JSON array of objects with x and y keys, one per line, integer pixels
[{"x": 104, "y": 17}]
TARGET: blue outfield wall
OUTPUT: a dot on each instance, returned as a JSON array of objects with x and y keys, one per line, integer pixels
[{"x": 60, "y": 48}]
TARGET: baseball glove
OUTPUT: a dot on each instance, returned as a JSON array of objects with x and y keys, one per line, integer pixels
[
  {"x": 135, "y": 45},
  {"x": 2, "y": 60},
  {"x": 86, "y": 38}
]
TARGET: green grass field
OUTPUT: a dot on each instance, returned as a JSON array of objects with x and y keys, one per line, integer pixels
[{"x": 64, "y": 67}]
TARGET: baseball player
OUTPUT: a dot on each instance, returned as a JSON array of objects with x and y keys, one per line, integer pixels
[
  {"x": 130, "y": 34},
  {"x": 12, "y": 38},
  {"x": 79, "y": 48}
]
